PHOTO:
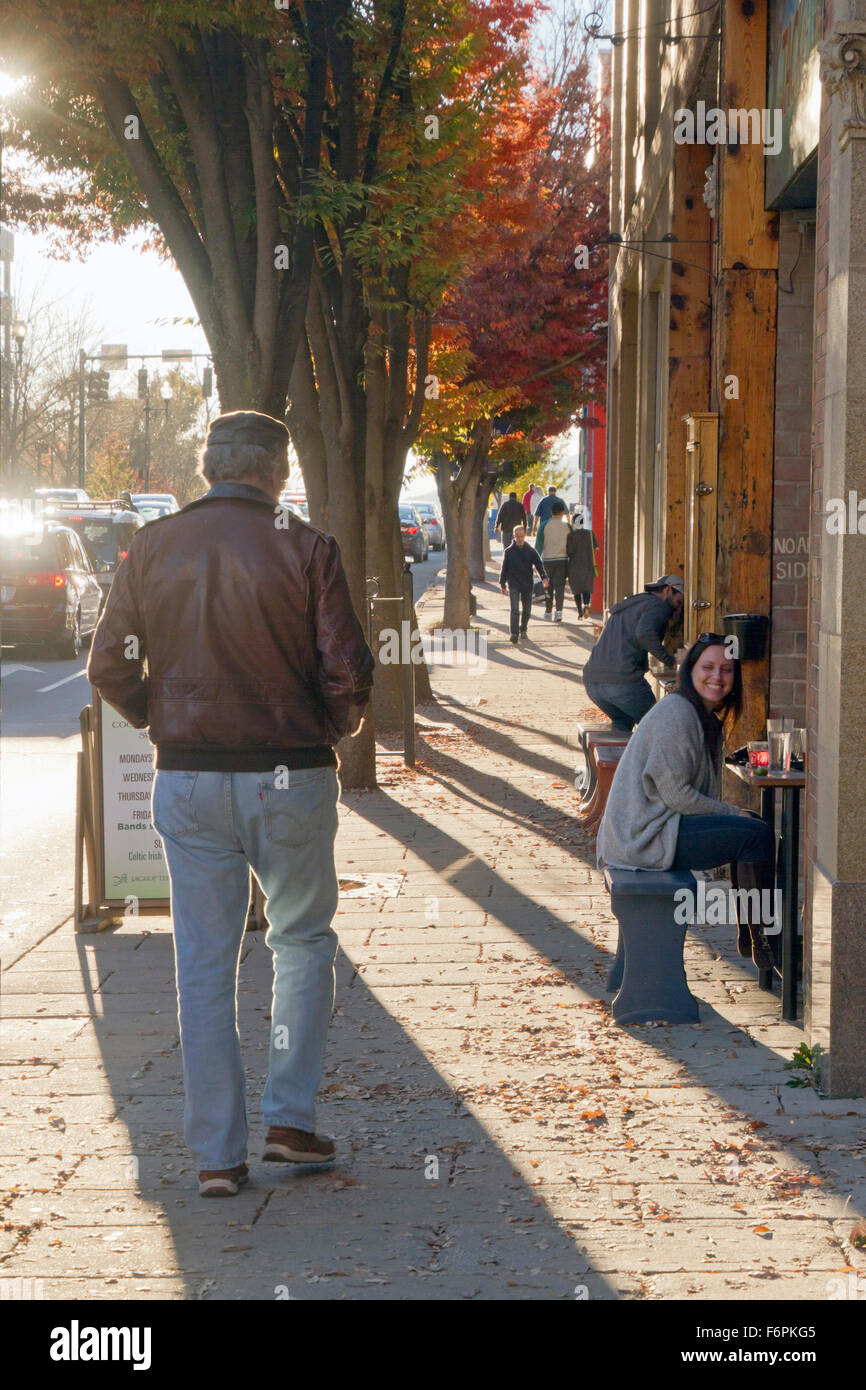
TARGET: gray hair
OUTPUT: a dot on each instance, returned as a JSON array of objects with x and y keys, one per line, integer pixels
[
  {"x": 221, "y": 463},
  {"x": 245, "y": 444}
]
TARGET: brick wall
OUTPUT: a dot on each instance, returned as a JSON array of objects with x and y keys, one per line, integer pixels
[{"x": 792, "y": 461}]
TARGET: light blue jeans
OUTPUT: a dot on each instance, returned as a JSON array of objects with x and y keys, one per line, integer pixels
[{"x": 214, "y": 826}]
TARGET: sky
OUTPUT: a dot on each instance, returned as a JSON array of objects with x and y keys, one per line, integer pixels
[{"x": 127, "y": 291}]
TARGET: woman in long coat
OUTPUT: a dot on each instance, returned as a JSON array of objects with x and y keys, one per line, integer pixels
[{"x": 581, "y": 548}]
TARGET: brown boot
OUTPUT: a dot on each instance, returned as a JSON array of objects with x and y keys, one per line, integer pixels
[{"x": 285, "y": 1145}]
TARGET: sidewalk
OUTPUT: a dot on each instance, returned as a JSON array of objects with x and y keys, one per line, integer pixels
[{"x": 499, "y": 1136}]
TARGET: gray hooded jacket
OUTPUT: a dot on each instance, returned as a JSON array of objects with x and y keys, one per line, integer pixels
[{"x": 634, "y": 629}]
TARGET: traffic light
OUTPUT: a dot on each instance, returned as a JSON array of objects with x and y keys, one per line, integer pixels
[
  {"x": 142, "y": 383},
  {"x": 207, "y": 382},
  {"x": 97, "y": 386}
]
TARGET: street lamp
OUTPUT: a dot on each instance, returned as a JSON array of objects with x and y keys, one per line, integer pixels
[
  {"x": 19, "y": 333},
  {"x": 166, "y": 392}
]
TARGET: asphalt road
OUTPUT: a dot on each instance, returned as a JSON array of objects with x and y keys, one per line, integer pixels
[{"x": 39, "y": 738}]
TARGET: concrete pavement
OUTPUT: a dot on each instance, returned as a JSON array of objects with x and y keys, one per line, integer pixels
[{"x": 499, "y": 1137}]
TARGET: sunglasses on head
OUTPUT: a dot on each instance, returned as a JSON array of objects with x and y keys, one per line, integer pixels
[{"x": 712, "y": 637}]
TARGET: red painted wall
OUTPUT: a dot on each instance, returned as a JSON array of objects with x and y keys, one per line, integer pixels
[{"x": 596, "y": 453}]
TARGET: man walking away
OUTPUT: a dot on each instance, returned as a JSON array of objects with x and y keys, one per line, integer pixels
[
  {"x": 510, "y": 514},
  {"x": 544, "y": 510},
  {"x": 614, "y": 675},
  {"x": 516, "y": 579},
  {"x": 556, "y": 534},
  {"x": 256, "y": 667},
  {"x": 543, "y": 513},
  {"x": 582, "y": 570}
]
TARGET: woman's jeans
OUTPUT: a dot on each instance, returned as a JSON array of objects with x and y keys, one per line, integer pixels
[
  {"x": 747, "y": 843},
  {"x": 214, "y": 826}
]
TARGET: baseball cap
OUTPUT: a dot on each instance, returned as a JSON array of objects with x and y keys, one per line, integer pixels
[{"x": 673, "y": 579}]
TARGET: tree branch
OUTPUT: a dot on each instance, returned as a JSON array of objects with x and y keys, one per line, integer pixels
[
  {"x": 164, "y": 202},
  {"x": 187, "y": 73}
]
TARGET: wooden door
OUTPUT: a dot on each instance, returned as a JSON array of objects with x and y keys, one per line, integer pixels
[{"x": 702, "y": 463}]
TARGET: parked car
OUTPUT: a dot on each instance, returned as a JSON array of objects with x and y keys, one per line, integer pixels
[
  {"x": 433, "y": 524},
  {"x": 415, "y": 544},
  {"x": 297, "y": 501},
  {"x": 106, "y": 528},
  {"x": 64, "y": 495},
  {"x": 154, "y": 504},
  {"x": 152, "y": 511},
  {"x": 49, "y": 592}
]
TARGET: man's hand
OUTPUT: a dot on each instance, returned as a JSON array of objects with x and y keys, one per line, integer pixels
[
  {"x": 545, "y": 583},
  {"x": 503, "y": 588}
]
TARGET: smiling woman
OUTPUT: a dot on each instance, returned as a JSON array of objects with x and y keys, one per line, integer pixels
[{"x": 665, "y": 809}]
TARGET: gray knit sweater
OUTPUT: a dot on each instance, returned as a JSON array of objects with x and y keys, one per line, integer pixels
[{"x": 665, "y": 772}]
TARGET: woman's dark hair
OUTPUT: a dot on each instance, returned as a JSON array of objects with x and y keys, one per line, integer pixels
[{"x": 729, "y": 708}]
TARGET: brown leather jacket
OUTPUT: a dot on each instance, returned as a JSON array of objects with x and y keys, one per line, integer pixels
[{"x": 254, "y": 655}]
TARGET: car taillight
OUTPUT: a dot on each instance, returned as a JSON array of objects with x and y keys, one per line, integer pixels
[
  {"x": 410, "y": 530},
  {"x": 47, "y": 579}
]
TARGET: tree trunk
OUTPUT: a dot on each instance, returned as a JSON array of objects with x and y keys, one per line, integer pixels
[
  {"x": 385, "y": 466},
  {"x": 477, "y": 570},
  {"x": 324, "y": 426},
  {"x": 457, "y": 513}
]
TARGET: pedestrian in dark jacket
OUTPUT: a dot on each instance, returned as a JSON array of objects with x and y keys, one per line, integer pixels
[
  {"x": 614, "y": 674},
  {"x": 256, "y": 667},
  {"x": 516, "y": 579},
  {"x": 581, "y": 548},
  {"x": 510, "y": 514}
]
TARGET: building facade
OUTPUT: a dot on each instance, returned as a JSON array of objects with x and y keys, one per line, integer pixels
[{"x": 737, "y": 397}]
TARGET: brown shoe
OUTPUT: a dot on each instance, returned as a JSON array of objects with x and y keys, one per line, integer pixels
[
  {"x": 222, "y": 1182},
  {"x": 744, "y": 941},
  {"x": 284, "y": 1145}
]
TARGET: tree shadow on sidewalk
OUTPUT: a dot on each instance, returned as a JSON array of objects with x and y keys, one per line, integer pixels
[
  {"x": 698, "y": 1056},
  {"x": 498, "y": 740},
  {"x": 421, "y": 1204}
]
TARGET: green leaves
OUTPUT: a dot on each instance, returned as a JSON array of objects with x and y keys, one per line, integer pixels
[{"x": 805, "y": 1059}]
